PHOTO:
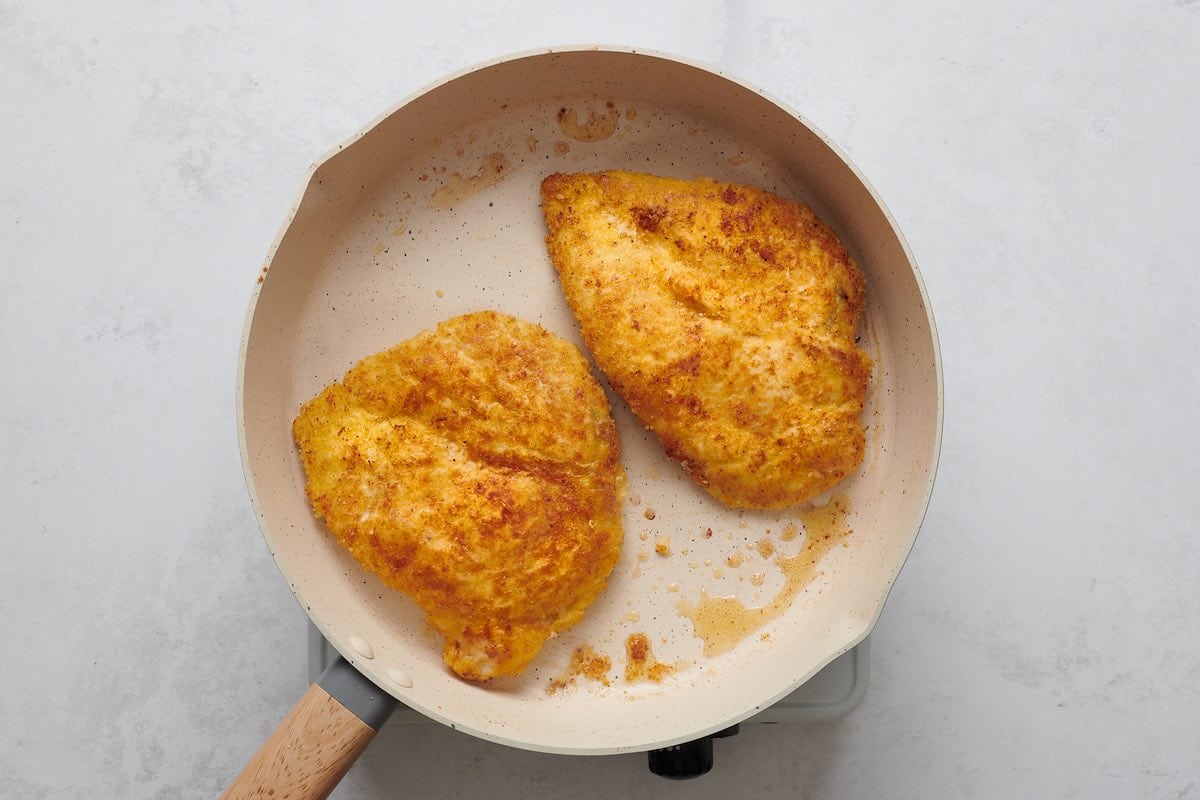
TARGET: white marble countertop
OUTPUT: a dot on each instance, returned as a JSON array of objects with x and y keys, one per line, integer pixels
[{"x": 1042, "y": 641}]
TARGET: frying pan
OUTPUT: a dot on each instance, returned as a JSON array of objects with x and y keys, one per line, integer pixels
[{"x": 433, "y": 211}]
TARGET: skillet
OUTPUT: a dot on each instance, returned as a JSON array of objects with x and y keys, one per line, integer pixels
[{"x": 431, "y": 211}]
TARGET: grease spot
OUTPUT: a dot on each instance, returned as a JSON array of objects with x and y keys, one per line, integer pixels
[
  {"x": 492, "y": 170},
  {"x": 585, "y": 663},
  {"x": 640, "y": 663},
  {"x": 722, "y": 622},
  {"x": 592, "y": 128}
]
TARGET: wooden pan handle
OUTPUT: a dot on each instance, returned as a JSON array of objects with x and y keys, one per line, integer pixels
[{"x": 315, "y": 744}]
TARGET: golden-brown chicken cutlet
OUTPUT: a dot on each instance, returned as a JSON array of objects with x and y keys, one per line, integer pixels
[
  {"x": 477, "y": 468},
  {"x": 726, "y": 316}
]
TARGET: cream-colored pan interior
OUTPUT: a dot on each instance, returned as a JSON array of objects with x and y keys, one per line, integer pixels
[{"x": 433, "y": 211}]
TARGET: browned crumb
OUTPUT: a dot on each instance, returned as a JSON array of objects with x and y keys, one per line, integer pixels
[
  {"x": 585, "y": 662},
  {"x": 640, "y": 663},
  {"x": 649, "y": 513},
  {"x": 662, "y": 546}
]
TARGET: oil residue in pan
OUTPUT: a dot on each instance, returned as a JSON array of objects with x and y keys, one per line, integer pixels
[
  {"x": 721, "y": 623},
  {"x": 595, "y": 125}
]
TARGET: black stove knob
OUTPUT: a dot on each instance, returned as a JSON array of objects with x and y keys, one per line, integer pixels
[
  {"x": 688, "y": 760},
  {"x": 682, "y": 761}
]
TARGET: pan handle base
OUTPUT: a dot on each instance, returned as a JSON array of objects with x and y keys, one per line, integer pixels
[{"x": 353, "y": 690}]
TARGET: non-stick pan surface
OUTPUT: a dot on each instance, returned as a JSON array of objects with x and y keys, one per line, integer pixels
[{"x": 433, "y": 211}]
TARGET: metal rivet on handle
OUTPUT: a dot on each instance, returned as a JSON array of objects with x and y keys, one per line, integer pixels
[
  {"x": 401, "y": 677},
  {"x": 362, "y": 647}
]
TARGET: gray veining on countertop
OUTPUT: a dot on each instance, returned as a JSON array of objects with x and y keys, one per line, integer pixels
[{"x": 1042, "y": 162}]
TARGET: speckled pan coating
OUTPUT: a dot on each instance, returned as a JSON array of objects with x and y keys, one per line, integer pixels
[{"x": 432, "y": 211}]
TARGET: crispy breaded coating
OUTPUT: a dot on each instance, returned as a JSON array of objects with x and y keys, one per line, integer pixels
[
  {"x": 726, "y": 316},
  {"x": 477, "y": 468}
]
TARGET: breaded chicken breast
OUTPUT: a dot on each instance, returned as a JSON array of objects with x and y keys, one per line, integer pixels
[
  {"x": 477, "y": 468},
  {"x": 726, "y": 316}
]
